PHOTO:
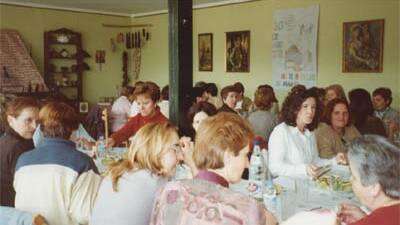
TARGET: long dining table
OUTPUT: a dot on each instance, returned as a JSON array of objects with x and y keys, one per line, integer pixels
[{"x": 299, "y": 194}]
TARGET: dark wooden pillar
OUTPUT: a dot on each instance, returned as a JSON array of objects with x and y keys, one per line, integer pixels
[{"x": 180, "y": 61}]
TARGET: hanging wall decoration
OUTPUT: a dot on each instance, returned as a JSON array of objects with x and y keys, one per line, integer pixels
[
  {"x": 100, "y": 57},
  {"x": 125, "y": 78},
  {"x": 139, "y": 40},
  {"x": 363, "y": 46},
  {"x": 135, "y": 40}
]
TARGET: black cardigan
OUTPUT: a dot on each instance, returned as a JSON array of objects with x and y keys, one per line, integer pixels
[{"x": 12, "y": 145}]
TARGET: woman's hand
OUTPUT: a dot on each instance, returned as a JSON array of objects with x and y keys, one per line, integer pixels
[
  {"x": 350, "y": 213},
  {"x": 187, "y": 147},
  {"x": 312, "y": 170},
  {"x": 341, "y": 159}
]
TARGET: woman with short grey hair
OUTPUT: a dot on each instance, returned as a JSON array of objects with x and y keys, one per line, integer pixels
[{"x": 375, "y": 168}]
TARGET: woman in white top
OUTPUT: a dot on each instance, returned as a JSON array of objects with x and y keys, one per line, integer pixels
[
  {"x": 292, "y": 146},
  {"x": 126, "y": 194},
  {"x": 120, "y": 109}
]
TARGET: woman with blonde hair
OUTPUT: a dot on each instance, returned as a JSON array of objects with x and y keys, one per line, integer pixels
[
  {"x": 334, "y": 91},
  {"x": 130, "y": 186},
  {"x": 220, "y": 154}
]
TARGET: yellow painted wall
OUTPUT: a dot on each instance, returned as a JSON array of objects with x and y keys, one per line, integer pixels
[
  {"x": 32, "y": 23},
  {"x": 254, "y": 16},
  {"x": 257, "y": 17}
]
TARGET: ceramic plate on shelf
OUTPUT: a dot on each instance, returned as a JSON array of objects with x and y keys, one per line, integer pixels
[{"x": 62, "y": 38}]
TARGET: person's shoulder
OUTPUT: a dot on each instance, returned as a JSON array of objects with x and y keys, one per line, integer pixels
[
  {"x": 78, "y": 161},
  {"x": 380, "y": 215},
  {"x": 26, "y": 158},
  {"x": 323, "y": 128},
  {"x": 281, "y": 127},
  {"x": 393, "y": 114},
  {"x": 351, "y": 129},
  {"x": 8, "y": 140}
]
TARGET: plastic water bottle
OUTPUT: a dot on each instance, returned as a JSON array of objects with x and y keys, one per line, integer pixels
[
  {"x": 270, "y": 197},
  {"x": 257, "y": 172}
]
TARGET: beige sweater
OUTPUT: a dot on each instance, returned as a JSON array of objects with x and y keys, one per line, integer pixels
[{"x": 330, "y": 143}]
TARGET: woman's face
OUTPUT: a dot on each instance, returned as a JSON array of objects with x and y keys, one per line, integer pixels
[
  {"x": 231, "y": 99},
  {"x": 340, "y": 116},
  {"x": 235, "y": 165},
  {"x": 146, "y": 105},
  {"x": 307, "y": 111},
  {"x": 198, "y": 118},
  {"x": 25, "y": 123},
  {"x": 330, "y": 95},
  {"x": 171, "y": 156}
]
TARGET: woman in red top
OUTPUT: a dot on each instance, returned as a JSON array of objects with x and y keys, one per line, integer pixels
[
  {"x": 375, "y": 167},
  {"x": 146, "y": 96}
]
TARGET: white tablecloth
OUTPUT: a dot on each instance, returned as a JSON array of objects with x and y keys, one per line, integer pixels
[
  {"x": 306, "y": 196},
  {"x": 115, "y": 153}
]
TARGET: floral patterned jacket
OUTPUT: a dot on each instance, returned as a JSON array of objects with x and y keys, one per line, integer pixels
[{"x": 204, "y": 202}]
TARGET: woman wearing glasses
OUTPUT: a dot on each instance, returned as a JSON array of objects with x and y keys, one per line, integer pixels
[{"x": 131, "y": 184}]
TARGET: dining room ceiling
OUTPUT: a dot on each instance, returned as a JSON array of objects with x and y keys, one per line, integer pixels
[{"x": 116, "y": 7}]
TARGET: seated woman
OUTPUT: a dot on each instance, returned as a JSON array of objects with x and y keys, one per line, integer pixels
[
  {"x": 362, "y": 113},
  {"x": 292, "y": 146},
  {"x": 275, "y": 104},
  {"x": 146, "y": 96},
  {"x": 243, "y": 102},
  {"x": 229, "y": 99},
  {"x": 131, "y": 184},
  {"x": 334, "y": 91},
  {"x": 261, "y": 119},
  {"x": 375, "y": 167},
  {"x": 200, "y": 111},
  {"x": 336, "y": 131},
  {"x": 21, "y": 114},
  {"x": 382, "y": 99},
  {"x": 120, "y": 109},
  {"x": 221, "y": 148},
  {"x": 55, "y": 179}
]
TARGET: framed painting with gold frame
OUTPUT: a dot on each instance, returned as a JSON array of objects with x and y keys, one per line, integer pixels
[
  {"x": 363, "y": 46},
  {"x": 205, "y": 50}
]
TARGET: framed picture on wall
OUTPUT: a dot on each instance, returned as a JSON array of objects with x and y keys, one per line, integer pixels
[
  {"x": 237, "y": 53},
  {"x": 205, "y": 50},
  {"x": 363, "y": 46}
]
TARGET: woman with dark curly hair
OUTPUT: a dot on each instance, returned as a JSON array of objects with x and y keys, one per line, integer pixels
[
  {"x": 292, "y": 146},
  {"x": 362, "y": 113}
]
